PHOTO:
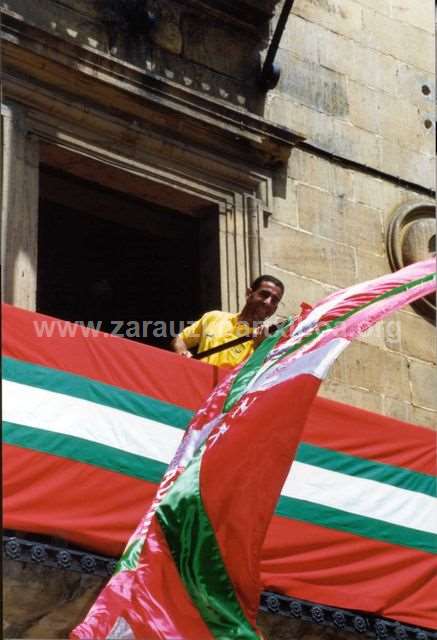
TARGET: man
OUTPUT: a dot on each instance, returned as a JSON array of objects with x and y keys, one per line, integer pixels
[{"x": 217, "y": 327}]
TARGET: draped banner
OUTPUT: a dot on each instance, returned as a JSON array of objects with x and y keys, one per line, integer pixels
[{"x": 206, "y": 528}]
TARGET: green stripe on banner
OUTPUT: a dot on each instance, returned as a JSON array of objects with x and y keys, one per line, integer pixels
[
  {"x": 358, "y": 525},
  {"x": 112, "y": 459},
  {"x": 82, "y": 450},
  {"x": 99, "y": 392},
  {"x": 191, "y": 539},
  {"x": 362, "y": 468}
]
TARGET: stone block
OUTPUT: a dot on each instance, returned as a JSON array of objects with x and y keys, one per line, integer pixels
[
  {"x": 377, "y": 193},
  {"x": 374, "y": 69},
  {"x": 423, "y": 379},
  {"x": 310, "y": 169},
  {"x": 354, "y": 143},
  {"x": 410, "y": 83},
  {"x": 336, "y": 52},
  {"x": 371, "y": 266},
  {"x": 363, "y": 107},
  {"x": 376, "y": 370},
  {"x": 360, "y": 398},
  {"x": 423, "y": 417},
  {"x": 301, "y": 38},
  {"x": 167, "y": 34},
  {"x": 342, "y": 184},
  {"x": 286, "y": 112},
  {"x": 381, "y": 6},
  {"x": 219, "y": 47},
  {"x": 418, "y": 14},
  {"x": 306, "y": 254},
  {"x": 285, "y": 209},
  {"x": 395, "y": 408},
  {"x": 398, "y": 39},
  {"x": 417, "y": 167},
  {"x": 319, "y": 130},
  {"x": 340, "y": 220},
  {"x": 335, "y": 15},
  {"x": 411, "y": 335},
  {"x": 402, "y": 122},
  {"x": 318, "y": 88}
]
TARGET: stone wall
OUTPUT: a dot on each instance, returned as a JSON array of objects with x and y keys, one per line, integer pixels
[{"x": 358, "y": 82}]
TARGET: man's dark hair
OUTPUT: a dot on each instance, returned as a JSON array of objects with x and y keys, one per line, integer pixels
[{"x": 256, "y": 283}]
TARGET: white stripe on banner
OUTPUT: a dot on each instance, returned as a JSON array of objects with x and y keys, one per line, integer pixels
[
  {"x": 361, "y": 496},
  {"x": 64, "y": 414},
  {"x": 59, "y": 413}
]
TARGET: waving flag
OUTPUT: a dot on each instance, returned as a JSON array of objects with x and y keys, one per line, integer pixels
[{"x": 191, "y": 568}]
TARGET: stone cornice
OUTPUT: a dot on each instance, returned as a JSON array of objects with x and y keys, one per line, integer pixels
[
  {"x": 246, "y": 13},
  {"x": 99, "y": 78}
]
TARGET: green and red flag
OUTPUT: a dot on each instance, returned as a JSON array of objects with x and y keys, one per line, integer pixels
[{"x": 192, "y": 567}]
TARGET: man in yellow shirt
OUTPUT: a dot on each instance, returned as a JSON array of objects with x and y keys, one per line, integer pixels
[{"x": 217, "y": 327}]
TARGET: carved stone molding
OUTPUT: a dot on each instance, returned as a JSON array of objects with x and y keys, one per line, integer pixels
[{"x": 411, "y": 236}]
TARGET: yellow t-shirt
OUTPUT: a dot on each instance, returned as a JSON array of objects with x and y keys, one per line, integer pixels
[{"x": 214, "y": 328}]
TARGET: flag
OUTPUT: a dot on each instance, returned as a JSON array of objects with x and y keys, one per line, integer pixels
[
  {"x": 94, "y": 423},
  {"x": 191, "y": 568}
]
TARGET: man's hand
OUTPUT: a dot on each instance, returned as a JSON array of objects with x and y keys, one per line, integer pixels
[
  {"x": 180, "y": 347},
  {"x": 259, "y": 335}
]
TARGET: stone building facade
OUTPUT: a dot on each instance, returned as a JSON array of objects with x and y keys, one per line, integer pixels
[{"x": 149, "y": 115}]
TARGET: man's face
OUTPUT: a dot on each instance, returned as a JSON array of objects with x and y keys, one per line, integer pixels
[{"x": 263, "y": 302}]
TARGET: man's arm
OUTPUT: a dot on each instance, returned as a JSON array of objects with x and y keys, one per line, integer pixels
[{"x": 188, "y": 339}]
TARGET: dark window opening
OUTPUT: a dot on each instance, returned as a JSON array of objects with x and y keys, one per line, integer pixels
[{"x": 120, "y": 264}]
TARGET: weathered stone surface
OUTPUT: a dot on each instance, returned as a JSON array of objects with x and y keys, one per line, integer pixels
[
  {"x": 304, "y": 254},
  {"x": 310, "y": 169},
  {"x": 423, "y": 379},
  {"x": 301, "y": 37},
  {"x": 360, "y": 398},
  {"x": 412, "y": 335},
  {"x": 405, "y": 42},
  {"x": 419, "y": 14},
  {"x": 375, "y": 69},
  {"x": 340, "y": 220},
  {"x": 371, "y": 266},
  {"x": 402, "y": 122},
  {"x": 345, "y": 19},
  {"x": 410, "y": 83},
  {"x": 336, "y": 52},
  {"x": 368, "y": 367},
  {"x": 364, "y": 111},
  {"x": 20, "y": 191},
  {"x": 217, "y": 47},
  {"x": 396, "y": 408},
  {"x": 285, "y": 209},
  {"x": 315, "y": 87},
  {"x": 167, "y": 33},
  {"x": 352, "y": 142},
  {"x": 41, "y": 602},
  {"x": 423, "y": 417}
]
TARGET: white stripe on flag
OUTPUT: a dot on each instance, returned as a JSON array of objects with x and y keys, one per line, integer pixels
[
  {"x": 59, "y": 413},
  {"x": 361, "y": 496}
]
